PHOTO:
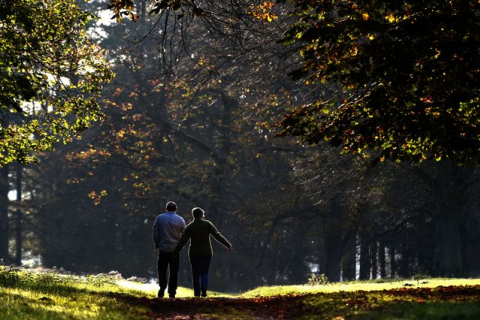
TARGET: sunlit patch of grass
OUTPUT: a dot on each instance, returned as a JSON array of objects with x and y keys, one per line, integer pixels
[
  {"x": 41, "y": 296},
  {"x": 356, "y": 286},
  {"x": 25, "y": 304},
  {"x": 150, "y": 290}
]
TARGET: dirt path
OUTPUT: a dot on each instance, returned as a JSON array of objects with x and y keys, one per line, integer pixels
[
  {"x": 218, "y": 308},
  {"x": 335, "y": 305}
]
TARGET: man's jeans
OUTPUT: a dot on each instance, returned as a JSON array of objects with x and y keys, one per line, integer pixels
[
  {"x": 166, "y": 259},
  {"x": 200, "y": 266}
]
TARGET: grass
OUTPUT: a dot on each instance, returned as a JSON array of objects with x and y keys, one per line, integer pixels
[
  {"x": 394, "y": 299},
  {"x": 27, "y": 295},
  {"x": 372, "y": 285}
]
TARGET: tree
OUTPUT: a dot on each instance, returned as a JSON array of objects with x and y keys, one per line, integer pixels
[
  {"x": 409, "y": 77},
  {"x": 4, "y": 217},
  {"x": 407, "y": 70},
  {"x": 164, "y": 139},
  {"x": 51, "y": 76}
]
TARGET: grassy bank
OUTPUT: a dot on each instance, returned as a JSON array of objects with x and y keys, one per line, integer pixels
[{"x": 28, "y": 295}]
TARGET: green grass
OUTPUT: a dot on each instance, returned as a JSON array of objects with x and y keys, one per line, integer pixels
[
  {"x": 394, "y": 299},
  {"x": 373, "y": 285},
  {"x": 28, "y": 295}
]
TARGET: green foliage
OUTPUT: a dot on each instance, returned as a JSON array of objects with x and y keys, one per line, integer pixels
[
  {"x": 317, "y": 280},
  {"x": 409, "y": 73},
  {"x": 8, "y": 278},
  {"x": 51, "y": 283},
  {"x": 51, "y": 76}
]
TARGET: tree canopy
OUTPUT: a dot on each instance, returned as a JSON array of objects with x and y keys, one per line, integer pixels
[
  {"x": 409, "y": 77},
  {"x": 407, "y": 71},
  {"x": 51, "y": 75}
]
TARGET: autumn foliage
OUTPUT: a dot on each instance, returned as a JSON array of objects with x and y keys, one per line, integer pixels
[{"x": 408, "y": 75}]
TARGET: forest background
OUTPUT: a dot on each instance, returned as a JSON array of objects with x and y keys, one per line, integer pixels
[{"x": 191, "y": 117}]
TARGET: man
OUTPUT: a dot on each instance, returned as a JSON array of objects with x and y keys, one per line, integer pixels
[
  {"x": 167, "y": 230},
  {"x": 200, "y": 252}
]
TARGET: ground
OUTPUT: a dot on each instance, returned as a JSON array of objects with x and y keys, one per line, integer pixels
[
  {"x": 411, "y": 300},
  {"x": 35, "y": 295}
]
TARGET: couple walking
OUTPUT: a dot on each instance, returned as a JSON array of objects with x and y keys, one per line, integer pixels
[{"x": 170, "y": 234}]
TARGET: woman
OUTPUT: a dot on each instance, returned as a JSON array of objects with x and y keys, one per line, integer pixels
[{"x": 201, "y": 251}]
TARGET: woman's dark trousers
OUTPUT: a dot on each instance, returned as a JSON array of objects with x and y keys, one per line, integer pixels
[
  {"x": 166, "y": 259},
  {"x": 200, "y": 266}
]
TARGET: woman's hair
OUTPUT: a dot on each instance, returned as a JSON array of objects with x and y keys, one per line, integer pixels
[{"x": 197, "y": 212}]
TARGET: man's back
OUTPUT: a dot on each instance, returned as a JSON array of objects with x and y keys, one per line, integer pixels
[{"x": 167, "y": 230}]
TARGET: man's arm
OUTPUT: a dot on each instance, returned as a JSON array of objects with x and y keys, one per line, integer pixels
[
  {"x": 156, "y": 233},
  {"x": 183, "y": 239},
  {"x": 184, "y": 226},
  {"x": 218, "y": 236}
]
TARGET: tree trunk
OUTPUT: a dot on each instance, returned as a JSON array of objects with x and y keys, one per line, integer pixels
[
  {"x": 223, "y": 145},
  {"x": 4, "y": 221},
  {"x": 472, "y": 242},
  {"x": 333, "y": 258},
  {"x": 393, "y": 263},
  {"x": 18, "y": 224},
  {"x": 403, "y": 264},
  {"x": 337, "y": 239},
  {"x": 449, "y": 195},
  {"x": 364, "y": 257},
  {"x": 381, "y": 259},
  {"x": 349, "y": 262},
  {"x": 373, "y": 259}
]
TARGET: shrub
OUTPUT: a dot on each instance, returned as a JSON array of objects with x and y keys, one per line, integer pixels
[{"x": 316, "y": 280}]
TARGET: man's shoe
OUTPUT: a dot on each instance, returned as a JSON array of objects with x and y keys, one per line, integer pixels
[
  {"x": 172, "y": 296},
  {"x": 161, "y": 293},
  {"x": 204, "y": 293}
]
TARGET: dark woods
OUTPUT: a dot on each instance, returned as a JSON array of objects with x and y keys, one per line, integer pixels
[{"x": 203, "y": 136}]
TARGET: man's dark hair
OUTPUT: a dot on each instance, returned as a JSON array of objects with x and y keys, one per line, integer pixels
[
  {"x": 197, "y": 212},
  {"x": 171, "y": 206}
]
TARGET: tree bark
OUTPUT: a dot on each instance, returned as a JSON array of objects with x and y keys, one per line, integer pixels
[
  {"x": 472, "y": 242},
  {"x": 364, "y": 257},
  {"x": 18, "y": 220},
  {"x": 333, "y": 258},
  {"x": 449, "y": 194},
  {"x": 381, "y": 259},
  {"x": 393, "y": 262},
  {"x": 349, "y": 263},
  {"x": 4, "y": 219},
  {"x": 373, "y": 259},
  {"x": 404, "y": 262}
]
